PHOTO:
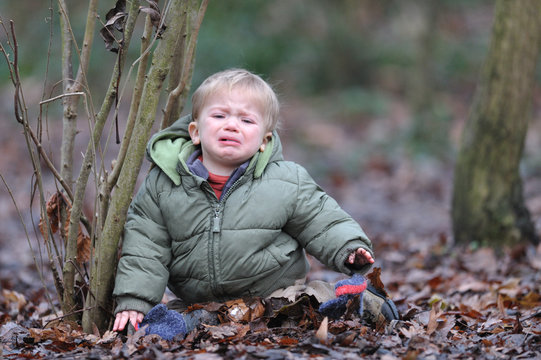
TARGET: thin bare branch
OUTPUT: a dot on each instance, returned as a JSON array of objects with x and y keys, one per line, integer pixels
[{"x": 61, "y": 96}]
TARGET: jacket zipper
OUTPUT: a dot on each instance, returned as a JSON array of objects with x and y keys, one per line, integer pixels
[
  {"x": 216, "y": 219},
  {"x": 213, "y": 247}
]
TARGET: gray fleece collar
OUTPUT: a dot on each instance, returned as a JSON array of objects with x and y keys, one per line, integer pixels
[{"x": 197, "y": 168}]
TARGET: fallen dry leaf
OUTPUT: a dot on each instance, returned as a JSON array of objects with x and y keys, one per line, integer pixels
[
  {"x": 374, "y": 277},
  {"x": 323, "y": 332},
  {"x": 13, "y": 299},
  {"x": 244, "y": 311},
  {"x": 435, "y": 313}
]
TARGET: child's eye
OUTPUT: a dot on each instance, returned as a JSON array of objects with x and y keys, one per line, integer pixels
[
  {"x": 218, "y": 116},
  {"x": 247, "y": 120}
]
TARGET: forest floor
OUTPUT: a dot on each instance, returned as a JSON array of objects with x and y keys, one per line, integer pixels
[{"x": 455, "y": 303}]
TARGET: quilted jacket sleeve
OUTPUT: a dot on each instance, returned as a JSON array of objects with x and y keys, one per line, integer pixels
[
  {"x": 142, "y": 272},
  {"x": 323, "y": 228}
]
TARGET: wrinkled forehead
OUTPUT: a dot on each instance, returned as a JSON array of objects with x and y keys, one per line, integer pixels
[{"x": 249, "y": 95}]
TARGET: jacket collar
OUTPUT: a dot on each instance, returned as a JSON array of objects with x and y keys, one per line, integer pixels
[{"x": 197, "y": 168}]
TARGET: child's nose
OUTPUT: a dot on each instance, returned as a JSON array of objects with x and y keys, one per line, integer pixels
[{"x": 232, "y": 123}]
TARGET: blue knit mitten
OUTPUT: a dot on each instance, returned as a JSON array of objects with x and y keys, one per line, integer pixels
[
  {"x": 344, "y": 290},
  {"x": 164, "y": 322}
]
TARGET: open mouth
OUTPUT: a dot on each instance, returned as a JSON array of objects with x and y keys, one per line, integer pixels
[{"x": 229, "y": 141}]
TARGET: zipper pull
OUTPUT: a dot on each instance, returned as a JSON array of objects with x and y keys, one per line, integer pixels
[{"x": 216, "y": 221}]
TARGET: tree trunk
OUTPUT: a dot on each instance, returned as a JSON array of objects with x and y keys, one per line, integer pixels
[
  {"x": 488, "y": 207},
  {"x": 99, "y": 303}
]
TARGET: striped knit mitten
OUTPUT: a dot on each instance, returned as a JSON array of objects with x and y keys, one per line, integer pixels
[{"x": 345, "y": 290}]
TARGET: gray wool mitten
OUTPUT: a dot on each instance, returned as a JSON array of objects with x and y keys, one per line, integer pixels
[{"x": 165, "y": 323}]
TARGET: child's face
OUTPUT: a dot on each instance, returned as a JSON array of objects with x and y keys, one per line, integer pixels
[{"x": 230, "y": 129}]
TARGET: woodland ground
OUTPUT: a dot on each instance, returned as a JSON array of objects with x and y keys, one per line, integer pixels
[{"x": 455, "y": 303}]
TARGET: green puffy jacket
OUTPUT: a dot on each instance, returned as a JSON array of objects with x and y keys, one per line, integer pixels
[{"x": 249, "y": 243}]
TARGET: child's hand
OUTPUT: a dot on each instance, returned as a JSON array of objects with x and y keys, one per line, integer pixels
[
  {"x": 360, "y": 257},
  {"x": 122, "y": 318}
]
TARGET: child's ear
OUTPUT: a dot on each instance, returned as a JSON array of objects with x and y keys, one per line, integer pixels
[
  {"x": 194, "y": 133},
  {"x": 266, "y": 139}
]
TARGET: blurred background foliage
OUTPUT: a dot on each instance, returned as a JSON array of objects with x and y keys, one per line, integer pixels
[
  {"x": 411, "y": 65},
  {"x": 374, "y": 93}
]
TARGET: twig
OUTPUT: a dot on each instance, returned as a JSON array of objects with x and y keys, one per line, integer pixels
[
  {"x": 61, "y": 96},
  {"x": 537, "y": 314},
  {"x": 16, "y": 101},
  {"x": 64, "y": 316}
]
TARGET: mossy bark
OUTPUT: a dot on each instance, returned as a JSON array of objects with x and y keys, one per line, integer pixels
[
  {"x": 100, "y": 302},
  {"x": 488, "y": 206}
]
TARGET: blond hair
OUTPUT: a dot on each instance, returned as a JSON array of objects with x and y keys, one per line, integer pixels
[{"x": 231, "y": 79}]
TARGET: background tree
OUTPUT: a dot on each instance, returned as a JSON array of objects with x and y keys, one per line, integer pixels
[
  {"x": 488, "y": 206},
  {"x": 170, "y": 51}
]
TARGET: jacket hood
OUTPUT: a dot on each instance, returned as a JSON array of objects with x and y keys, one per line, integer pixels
[{"x": 171, "y": 147}]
